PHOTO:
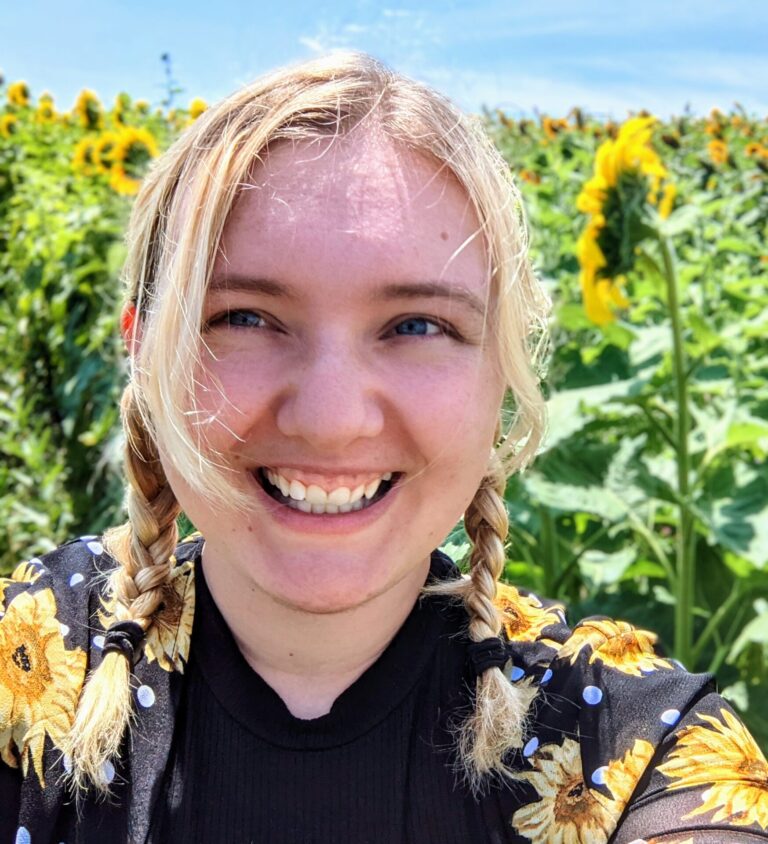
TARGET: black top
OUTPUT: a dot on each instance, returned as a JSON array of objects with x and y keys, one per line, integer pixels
[{"x": 375, "y": 769}]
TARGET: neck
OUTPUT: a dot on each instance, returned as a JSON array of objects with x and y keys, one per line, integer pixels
[{"x": 309, "y": 658}]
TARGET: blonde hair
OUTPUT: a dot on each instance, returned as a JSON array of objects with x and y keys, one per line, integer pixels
[{"x": 173, "y": 235}]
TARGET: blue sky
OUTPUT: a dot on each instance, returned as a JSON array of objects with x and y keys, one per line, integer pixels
[{"x": 518, "y": 55}]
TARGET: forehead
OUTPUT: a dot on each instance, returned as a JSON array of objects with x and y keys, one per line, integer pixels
[{"x": 355, "y": 199}]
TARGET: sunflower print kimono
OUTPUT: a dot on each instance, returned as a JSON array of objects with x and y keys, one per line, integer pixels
[{"x": 624, "y": 745}]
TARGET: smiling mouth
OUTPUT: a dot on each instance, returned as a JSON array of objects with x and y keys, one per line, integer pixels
[{"x": 363, "y": 503}]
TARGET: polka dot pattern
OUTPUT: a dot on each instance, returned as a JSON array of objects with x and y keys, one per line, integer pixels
[
  {"x": 23, "y": 836},
  {"x": 108, "y": 770},
  {"x": 98, "y": 642},
  {"x": 598, "y": 775},
  {"x": 670, "y": 716},
  {"x": 592, "y": 695},
  {"x": 546, "y": 676},
  {"x": 517, "y": 674},
  {"x": 531, "y": 747},
  {"x": 64, "y": 629},
  {"x": 66, "y": 761},
  {"x": 75, "y": 579},
  {"x": 95, "y": 547},
  {"x": 145, "y": 696}
]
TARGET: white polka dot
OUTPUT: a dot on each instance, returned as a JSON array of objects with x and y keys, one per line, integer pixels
[
  {"x": 88, "y": 537},
  {"x": 145, "y": 696},
  {"x": 66, "y": 761},
  {"x": 592, "y": 695},
  {"x": 517, "y": 674},
  {"x": 64, "y": 629},
  {"x": 598, "y": 775},
  {"x": 95, "y": 548},
  {"x": 108, "y": 772},
  {"x": 35, "y": 561},
  {"x": 546, "y": 676},
  {"x": 670, "y": 716},
  {"x": 23, "y": 836},
  {"x": 98, "y": 642},
  {"x": 76, "y": 578},
  {"x": 535, "y": 598},
  {"x": 531, "y": 747}
]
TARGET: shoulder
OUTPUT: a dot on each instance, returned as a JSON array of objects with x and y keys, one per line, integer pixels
[
  {"x": 44, "y": 636},
  {"x": 615, "y": 727},
  {"x": 54, "y": 610}
]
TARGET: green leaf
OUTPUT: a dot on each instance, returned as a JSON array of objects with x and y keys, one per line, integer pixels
[{"x": 681, "y": 220}]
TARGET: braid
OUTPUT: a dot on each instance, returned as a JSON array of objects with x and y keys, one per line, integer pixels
[
  {"x": 499, "y": 718},
  {"x": 143, "y": 546}
]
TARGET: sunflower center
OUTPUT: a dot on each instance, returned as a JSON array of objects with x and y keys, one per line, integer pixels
[
  {"x": 21, "y": 658},
  {"x": 573, "y": 802}
]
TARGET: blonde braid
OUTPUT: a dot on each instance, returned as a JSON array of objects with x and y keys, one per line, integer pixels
[
  {"x": 143, "y": 546},
  {"x": 499, "y": 717}
]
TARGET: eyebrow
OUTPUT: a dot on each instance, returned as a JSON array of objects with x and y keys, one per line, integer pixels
[{"x": 386, "y": 293}]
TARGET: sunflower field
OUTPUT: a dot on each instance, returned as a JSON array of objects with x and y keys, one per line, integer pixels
[{"x": 649, "y": 500}]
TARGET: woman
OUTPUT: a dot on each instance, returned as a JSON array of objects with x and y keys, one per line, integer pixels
[{"x": 329, "y": 299}]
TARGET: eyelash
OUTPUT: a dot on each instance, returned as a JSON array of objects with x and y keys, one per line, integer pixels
[{"x": 445, "y": 329}]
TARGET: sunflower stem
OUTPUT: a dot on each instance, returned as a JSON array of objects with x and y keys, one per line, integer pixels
[{"x": 685, "y": 559}]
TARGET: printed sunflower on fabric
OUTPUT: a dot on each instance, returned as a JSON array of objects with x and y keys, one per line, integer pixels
[{"x": 629, "y": 180}]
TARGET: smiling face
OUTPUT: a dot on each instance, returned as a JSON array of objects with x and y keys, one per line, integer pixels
[{"x": 348, "y": 364}]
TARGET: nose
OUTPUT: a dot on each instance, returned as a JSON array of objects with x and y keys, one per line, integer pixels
[{"x": 332, "y": 401}]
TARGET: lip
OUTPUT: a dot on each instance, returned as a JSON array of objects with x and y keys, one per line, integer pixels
[{"x": 328, "y": 524}]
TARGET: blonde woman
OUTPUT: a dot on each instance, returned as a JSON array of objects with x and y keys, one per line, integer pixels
[{"x": 329, "y": 300}]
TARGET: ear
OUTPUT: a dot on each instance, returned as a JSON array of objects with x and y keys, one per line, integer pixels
[{"x": 130, "y": 328}]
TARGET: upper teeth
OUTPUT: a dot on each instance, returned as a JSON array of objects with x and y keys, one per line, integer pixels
[{"x": 313, "y": 494}]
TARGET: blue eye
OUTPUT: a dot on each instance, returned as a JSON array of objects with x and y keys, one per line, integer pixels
[
  {"x": 239, "y": 319},
  {"x": 418, "y": 326}
]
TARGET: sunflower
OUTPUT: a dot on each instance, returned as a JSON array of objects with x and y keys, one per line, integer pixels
[
  {"x": 621, "y": 776},
  {"x": 84, "y": 160},
  {"x": 718, "y": 151},
  {"x": 628, "y": 174},
  {"x": 8, "y": 125},
  {"x": 616, "y": 644},
  {"x": 725, "y": 757},
  {"x": 568, "y": 811},
  {"x": 88, "y": 109},
  {"x": 522, "y": 616},
  {"x": 132, "y": 150},
  {"x": 45, "y": 112},
  {"x": 18, "y": 94},
  {"x": 40, "y": 680},
  {"x": 169, "y": 636},
  {"x": 756, "y": 150},
  {"x": 600, "y": 294},
  {"x": 25, "y": 572},
  {"x": 553, "y": 126},
  {"x": 103, "y": 148},
  {"x": 530, "y": 176},
  {"x": 197, "y": 107}
]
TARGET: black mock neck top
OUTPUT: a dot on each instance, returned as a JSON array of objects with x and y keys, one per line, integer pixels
[{"x": 377, "y": 768}]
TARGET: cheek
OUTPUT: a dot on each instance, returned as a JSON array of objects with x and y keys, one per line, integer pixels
[{"x": 231, "y": 394}]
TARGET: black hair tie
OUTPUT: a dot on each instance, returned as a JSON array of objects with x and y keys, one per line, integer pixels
[
  {"x": 126, "y": 638},
  {"x": 490, "y": 653}
]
